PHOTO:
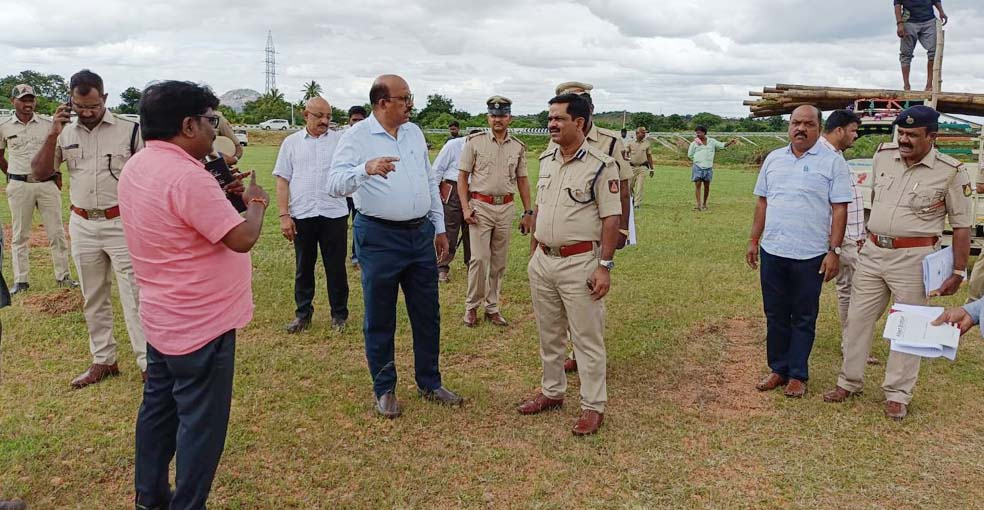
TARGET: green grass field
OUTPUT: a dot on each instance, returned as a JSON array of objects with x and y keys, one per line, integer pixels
[{"x": 684, "y": 426}]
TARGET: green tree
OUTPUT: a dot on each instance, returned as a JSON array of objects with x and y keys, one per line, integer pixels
[
  {"x": 311, "y": 89},
  {"x": 436, "y": 105},
  {"x": 231, "y": 115},
  {"x": 51, "y": 89},
  {"x": 271, "y": 105},
  {"x": 645, "y": 119},
  {"x": 130, "y": 101},
  {"x": 709, "y": 120}
]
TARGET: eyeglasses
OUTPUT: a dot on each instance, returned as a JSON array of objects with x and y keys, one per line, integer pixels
[
  {"x": 92, "y": 108},
  {"x": 212, "y": 119},
  {"x": 406, "y": 99}
]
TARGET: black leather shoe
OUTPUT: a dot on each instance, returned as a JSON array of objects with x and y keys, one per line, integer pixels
[
  {"x": 19, "y": 287},
  {"x": 67, "y": 283},
  {"x": 298, "y": 324},
  {"x": 338, "y": 324},
  {"x": 442, "y": 396},
  {"x": 387, "y": 405}
]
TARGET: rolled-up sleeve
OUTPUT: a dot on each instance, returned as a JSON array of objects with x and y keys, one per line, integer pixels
[{"x": 348, "y": 167}]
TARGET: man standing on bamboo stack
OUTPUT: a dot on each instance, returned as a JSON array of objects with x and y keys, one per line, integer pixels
[{"x": 915, "y": 21}]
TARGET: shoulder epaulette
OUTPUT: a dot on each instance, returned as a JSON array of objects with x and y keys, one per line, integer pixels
[
  {"x": 5, "y": 120},
  {"x": 948, "y": 159},
  {"x": 547, "y": 153},
  {"x": 600, "y": 156},
  {"x": 885, "y": 146},
  {"x": 474, "y": 135},
  {"x": 521, "y": 143}
]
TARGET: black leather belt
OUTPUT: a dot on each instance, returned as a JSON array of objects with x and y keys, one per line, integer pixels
[
  {"x": 27, "y": 178},
  {"x": 408, "y": 224}
]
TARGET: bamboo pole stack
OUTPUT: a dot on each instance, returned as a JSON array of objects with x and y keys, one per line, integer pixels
[{"x": 784, "y": 98}]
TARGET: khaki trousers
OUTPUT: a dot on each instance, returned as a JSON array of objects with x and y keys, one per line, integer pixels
[
  {"x": 848, "y": 263},
  {"x": 99, "y": 250},
  {"x": 638, "y": 183},
  {"x": 975, "y": 287},
  {"x": 562, "y": 302},
  {"x": 882, "y": 274},
  {"x": 23, "y": 198},
  {"x": 489, "y": 240}
]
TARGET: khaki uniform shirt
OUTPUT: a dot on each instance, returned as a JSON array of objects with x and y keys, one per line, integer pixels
[
  {"x": 95, "y": 159},
  {"x": 494, "y": 167},
  {"x": 567, "y": 210},
  {"x": 639, "y": 152},
  {"x": 915, "y": 201},
  {"x": 610, "y": 143},
  {"x": 22, "y": 142}
]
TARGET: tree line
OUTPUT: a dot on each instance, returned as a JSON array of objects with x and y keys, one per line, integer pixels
[{"x": 438, "y": 111}]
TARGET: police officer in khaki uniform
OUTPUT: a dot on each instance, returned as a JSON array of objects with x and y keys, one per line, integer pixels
[
  {"x": 915, "y": 189},
  {"x": 610, "y": 143},
  {"x": 640, "y": 156},
  {"x": 94, "y": 148},
  {"x": 576, "y": 231},
  {"x": 21, "y": 136},
  {"x": 492, "y": 169}
]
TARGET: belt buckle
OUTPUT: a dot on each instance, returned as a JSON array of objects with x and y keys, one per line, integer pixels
[
  {"x": 95, "y": 214},
  {"x": 885, "y": 241},
  {"x": 554, "y": 252},
  {"x": 498, "y": 200}
]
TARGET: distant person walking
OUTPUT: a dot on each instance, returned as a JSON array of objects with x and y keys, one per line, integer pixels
[
  {"x": 701, "y": 152},
  {"x": 915, "y": 21}
]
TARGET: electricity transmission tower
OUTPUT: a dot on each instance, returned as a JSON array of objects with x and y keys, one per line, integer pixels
[{"x": 271, "y": 63}]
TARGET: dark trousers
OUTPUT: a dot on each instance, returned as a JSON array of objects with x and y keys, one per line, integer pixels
[
  {"x": 330, "y": 235},
  {"x": 184, "y": 414},
  {"x": 351, "y": 206},
  {"x": 454, "y": 223},
  {"x": 791, "y": 298},
  {"x": 392, "y": 258}
]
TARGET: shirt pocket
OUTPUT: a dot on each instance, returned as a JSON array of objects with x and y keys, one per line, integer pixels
[
  {"x": 513, "y": 161},
  {"x": 115, "y": 162},
  {"x": 576, "y": 194},
  {"x": 928, "y": 204},
  {"x": 542, "y": 185},
  {"x": 813, "y": 182},
  {"x": 72, "y": 157},
  {"x": 882, "y": 187}
]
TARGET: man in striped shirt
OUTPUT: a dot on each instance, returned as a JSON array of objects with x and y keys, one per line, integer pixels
[{"x": 839, "y": 133}]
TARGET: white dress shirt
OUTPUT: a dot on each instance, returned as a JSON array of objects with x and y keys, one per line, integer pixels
[{"x": 305, "y": 161}]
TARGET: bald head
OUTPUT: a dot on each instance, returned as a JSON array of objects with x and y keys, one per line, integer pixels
[
  {"x": 317, "y": 102},
  {"x": 383, "y": 87},
  {"x": 317, "y": 116}
]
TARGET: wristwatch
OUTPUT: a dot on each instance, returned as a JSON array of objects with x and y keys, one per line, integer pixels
[
  {"x": 528, "y": 212},
  {"x": 961, "y": 273},
  {"x": 607, "y": 264},
  {"x": 836, "y": 250}
]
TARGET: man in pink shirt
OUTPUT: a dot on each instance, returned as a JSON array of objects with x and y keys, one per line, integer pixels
[{"x": 190, "y": 255}]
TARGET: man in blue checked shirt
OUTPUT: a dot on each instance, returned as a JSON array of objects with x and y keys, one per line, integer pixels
[
  {"x": 399, "y": 225},
  {"x": 803, "y": 190}
]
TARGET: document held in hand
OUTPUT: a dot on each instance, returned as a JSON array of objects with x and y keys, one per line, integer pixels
[
  {"x": 910, "y": 330},
  {"x": 937, "y": 267}
]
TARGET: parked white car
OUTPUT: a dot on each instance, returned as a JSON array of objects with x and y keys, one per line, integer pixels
[
  {"x": 130, "y": 116},
  {"x": 281, "y": 124},
  {"x": 241, "y": 136}
]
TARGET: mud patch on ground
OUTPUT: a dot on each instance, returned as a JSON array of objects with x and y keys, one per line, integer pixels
[
  {"x": 57, "y": 302},
  {"x": 724, "y": 361},
  {"x": 38, "y": 237}
]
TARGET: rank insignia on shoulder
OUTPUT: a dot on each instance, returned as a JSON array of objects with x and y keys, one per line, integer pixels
[
  {"x": 613, "y": 185},
  {"x": 968, "y": 191}
]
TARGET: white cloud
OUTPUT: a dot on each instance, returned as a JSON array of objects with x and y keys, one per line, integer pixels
[{"x": 673, "y": 56}]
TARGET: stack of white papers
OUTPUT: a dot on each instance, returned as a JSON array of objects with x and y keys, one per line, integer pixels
[
  {"x": 937, "y": 267},
  {"x": 631, "y": 241},
  {"x": 910, "y": 330}
]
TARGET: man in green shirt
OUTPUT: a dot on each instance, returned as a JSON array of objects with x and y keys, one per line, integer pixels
[{"x": 701, "y": 151}]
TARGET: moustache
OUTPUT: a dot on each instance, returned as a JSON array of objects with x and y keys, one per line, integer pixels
[{"x": 905, "y": 145}]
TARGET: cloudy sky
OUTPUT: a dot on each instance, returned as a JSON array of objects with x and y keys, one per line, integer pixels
[{"x": 666, "y": 56}]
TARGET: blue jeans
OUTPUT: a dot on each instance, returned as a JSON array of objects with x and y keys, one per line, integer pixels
[
  {"x": 394, "y": 257},
  {"x": 184, "y": 414},
  {"x": 791, "y": 298}
]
